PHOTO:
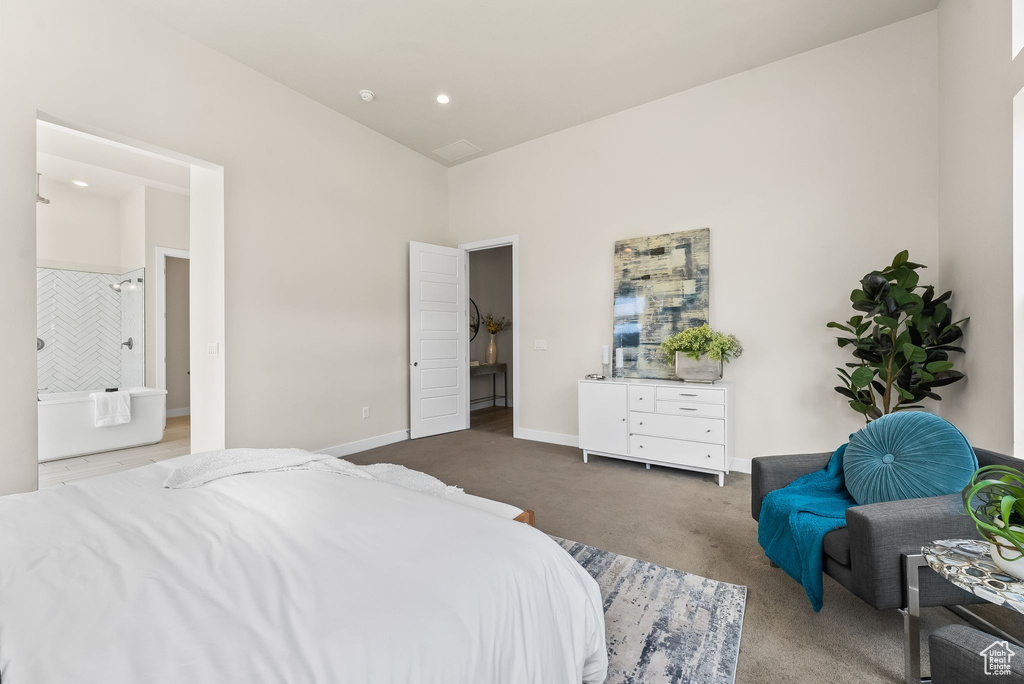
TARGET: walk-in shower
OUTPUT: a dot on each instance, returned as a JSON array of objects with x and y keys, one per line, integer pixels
[{"x": 85, "y": 320}]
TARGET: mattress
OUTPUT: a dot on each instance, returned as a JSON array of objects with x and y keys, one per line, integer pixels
[{"x": 285, "y": 577}]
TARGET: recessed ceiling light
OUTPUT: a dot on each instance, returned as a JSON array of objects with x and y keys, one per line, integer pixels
[
  {"x": 367, "y": 95},
  {"x": 443, "y": 99},
  {"x": 80, "y": 183}
]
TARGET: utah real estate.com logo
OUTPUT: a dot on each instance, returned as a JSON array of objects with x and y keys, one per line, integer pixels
[{"x": 997, "y": 658}]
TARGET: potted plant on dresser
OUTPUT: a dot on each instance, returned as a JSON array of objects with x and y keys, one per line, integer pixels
[{"x": 700, "y": 353}]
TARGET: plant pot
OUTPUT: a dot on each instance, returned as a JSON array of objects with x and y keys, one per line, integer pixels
[
  {"x": 1008, "y": 559},
  {"x": 697, "y": 370},
  {"x": 492, "y": 352}
]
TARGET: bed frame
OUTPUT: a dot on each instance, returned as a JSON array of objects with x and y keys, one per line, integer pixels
[{"x": 527, "y": 517}]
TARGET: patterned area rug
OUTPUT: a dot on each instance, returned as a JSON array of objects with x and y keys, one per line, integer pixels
[{"x": 663, "y": 625}]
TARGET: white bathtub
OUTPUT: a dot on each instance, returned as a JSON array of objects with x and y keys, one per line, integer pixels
[{"x": 67, "y": 424}]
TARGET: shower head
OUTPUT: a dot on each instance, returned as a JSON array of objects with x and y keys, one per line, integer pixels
[{"x": 39, "y": 198}]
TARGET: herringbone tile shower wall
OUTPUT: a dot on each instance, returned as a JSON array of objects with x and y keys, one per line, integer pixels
[{"x": 79, "y": 320}]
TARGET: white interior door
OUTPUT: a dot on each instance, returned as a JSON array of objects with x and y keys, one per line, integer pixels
[{"x": 438, "y": 340}]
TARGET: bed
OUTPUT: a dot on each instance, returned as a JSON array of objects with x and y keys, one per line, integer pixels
[{"x": 292, "y": 577}]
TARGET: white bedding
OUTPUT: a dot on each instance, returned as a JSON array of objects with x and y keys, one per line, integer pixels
[{"x": 288, "y": 577}]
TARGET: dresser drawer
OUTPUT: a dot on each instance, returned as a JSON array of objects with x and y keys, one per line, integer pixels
[
  {"x": 686, "y": 408},
  {"x": 677, "y": 427},
  {"x": 711, "y": 456},
  {"x": 704, "y": 395},
  {"x": 641, "y": 397}
]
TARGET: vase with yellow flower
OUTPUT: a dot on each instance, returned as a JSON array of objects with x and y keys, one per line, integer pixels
[{"x": 494, "y": 326}]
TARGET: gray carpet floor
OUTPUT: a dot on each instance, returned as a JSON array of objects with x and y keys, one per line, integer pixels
[{"x": 681, "y": 520}]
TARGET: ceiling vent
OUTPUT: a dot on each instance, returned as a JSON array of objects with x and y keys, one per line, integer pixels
[{"x": 459, "y": 149}]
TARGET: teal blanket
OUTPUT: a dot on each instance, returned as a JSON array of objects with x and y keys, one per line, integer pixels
[{"x": 795, "y": 519}]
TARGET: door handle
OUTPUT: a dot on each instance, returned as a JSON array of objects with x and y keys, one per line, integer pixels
[{"x": 415, "y": 363}]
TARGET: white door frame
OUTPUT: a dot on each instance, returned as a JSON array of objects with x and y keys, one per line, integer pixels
[
  {"x": 161, "y": 310},
  {"x": 513, "y": 242}
]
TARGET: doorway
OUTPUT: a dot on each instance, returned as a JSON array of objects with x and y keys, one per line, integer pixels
[
  {"x": 493, "y": 286},
  {"x": 491, "y": 400},
  {"x": 103, "y": 202},
  {"x": 440, "y": 314},
  {"x": 173, "y": 356}
]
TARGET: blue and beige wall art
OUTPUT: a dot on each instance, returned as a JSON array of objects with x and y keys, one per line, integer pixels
[{"x": 661, "y": 287}]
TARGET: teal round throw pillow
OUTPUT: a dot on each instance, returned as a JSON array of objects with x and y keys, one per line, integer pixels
[{"x": 907, "y": 455}]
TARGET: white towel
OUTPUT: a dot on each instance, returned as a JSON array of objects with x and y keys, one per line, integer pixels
[{"x": 112, "y": 408}]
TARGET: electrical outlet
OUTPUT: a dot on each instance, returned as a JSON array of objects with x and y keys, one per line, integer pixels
[
  {"x": 540, "y": 345},
  {"x": 366, "y": 412}
]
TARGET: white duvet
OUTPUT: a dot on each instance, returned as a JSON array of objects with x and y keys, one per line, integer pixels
[{"x": 286, "y": 577}]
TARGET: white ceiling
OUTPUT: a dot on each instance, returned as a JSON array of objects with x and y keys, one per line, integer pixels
[
  {"x": 515, "y": 70},
  {"x": 112, "y": 170}
]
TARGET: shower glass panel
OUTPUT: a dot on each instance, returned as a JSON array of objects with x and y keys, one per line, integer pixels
[{"x": 90, "y": 330}]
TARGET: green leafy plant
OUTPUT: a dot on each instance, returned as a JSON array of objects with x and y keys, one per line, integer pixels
[
  {"x": 994, "y": 499},
  {"x": 901, "y": 341},
  {"x": 495, "y": 325},
  {"x": 702, "y": 340}
]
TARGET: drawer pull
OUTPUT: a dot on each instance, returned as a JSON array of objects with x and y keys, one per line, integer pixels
[
  {"x": 685, "y": 408},
  {"x": 709, "y": 455},
  {"x": 641, "y": 446},
  {"x": 683, "y": 394}
]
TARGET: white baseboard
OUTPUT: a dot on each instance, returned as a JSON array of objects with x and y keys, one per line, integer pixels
[
  {"x": 365, "y": 444},
  {"x": 177, "y": 413},
  {"x": 739, "y": 465},
  {"x": 477, "y": 404},
  {"x": 549, "y": 437}
]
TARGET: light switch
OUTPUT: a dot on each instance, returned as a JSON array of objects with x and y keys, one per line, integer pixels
[
  {"x": 213, "y": 349},
  {"x": 540, "y": 345}
]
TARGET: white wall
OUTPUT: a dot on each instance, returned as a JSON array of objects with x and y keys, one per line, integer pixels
[
  {"x": 976, "y": 210},
  {"x": 133, "y": 229},
  {"x": 77, "y": 230},
  {"x": 490, "y": 286},
  {"x": 810, "y": 172},
  {"x": 318, "y": 211}
]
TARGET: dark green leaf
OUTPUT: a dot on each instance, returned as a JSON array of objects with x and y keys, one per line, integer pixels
[
  {"x": 862, "y": 377},
  {"x": 860, "y": 406},
  {"x": 939, "y": 366},
  {"x": 913, "y": 353},
  {"x": 901, "y": 258}
]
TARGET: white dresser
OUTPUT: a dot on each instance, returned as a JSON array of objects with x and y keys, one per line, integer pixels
[{"x": 666, "y": 423}]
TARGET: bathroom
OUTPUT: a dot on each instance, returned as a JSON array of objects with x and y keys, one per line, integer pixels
[{"x": 112, "y": 226}]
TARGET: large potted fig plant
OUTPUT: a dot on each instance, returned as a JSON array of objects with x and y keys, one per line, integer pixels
[{"x": 901, "y": 340}]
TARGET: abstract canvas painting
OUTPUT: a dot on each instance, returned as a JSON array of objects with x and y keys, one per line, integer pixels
[{"x": 661, "y": 287}]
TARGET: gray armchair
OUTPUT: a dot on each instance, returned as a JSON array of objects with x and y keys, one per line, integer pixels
[{"x": 870, "y": 556}]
